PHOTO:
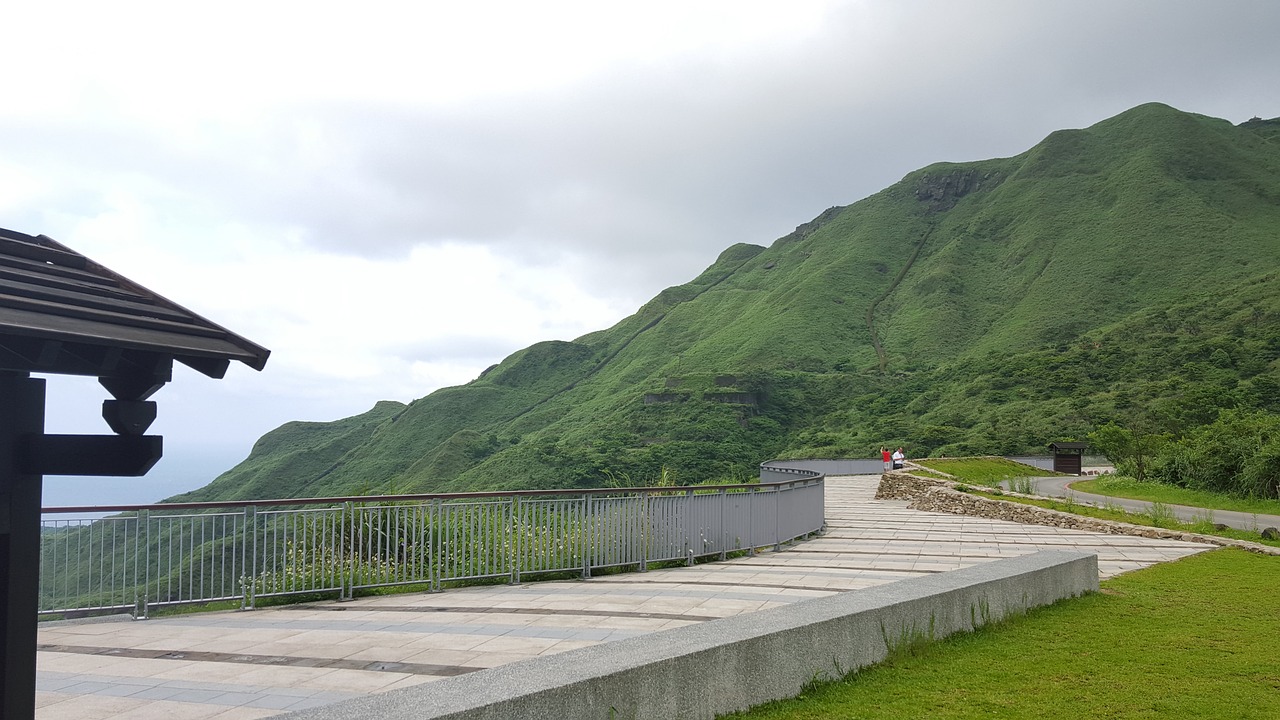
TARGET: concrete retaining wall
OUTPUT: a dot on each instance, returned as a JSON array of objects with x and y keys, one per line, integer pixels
[{"x": 706, "y": 670}]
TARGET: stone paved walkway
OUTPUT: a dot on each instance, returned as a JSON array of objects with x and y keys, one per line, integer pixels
[{"x": 242, "y": 665}]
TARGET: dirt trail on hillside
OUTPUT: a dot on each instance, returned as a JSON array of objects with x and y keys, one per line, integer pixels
[{"x": 871, "y": 311}]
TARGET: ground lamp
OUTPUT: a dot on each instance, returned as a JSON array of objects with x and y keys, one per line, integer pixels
[{"x": 63, "y": 314}]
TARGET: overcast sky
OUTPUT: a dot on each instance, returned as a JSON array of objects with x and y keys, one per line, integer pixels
[{"x": 392, "y": 196}]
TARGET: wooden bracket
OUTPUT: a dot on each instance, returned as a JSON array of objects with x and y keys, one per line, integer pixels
[
  {"x": 129, "y": 417},
  {"x": 90, "y": 455}
]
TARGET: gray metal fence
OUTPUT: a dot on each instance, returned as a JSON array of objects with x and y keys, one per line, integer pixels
[
  {"x": 783, "y": 470},
  {"x": 158, "y": 555}
]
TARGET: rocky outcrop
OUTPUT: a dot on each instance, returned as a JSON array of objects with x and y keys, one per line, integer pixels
[
  {"x": 663, "y": 398},
  {"x": 804, "y": 230},
  {"x": 900, "y": 485},
  {"x": 733, "y": 398},
  {"x": 942, "y": 191}
]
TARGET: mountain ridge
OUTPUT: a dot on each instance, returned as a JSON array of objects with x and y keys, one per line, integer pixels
[{"x": 858, "y": 328}]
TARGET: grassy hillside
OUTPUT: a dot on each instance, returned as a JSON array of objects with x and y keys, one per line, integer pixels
[
  {"x": 294, "y": 459},
  {"x": 1127, "y": 270}
]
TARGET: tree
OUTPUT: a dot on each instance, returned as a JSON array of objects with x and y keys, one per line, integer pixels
[{"x": 1124, "y": 446}]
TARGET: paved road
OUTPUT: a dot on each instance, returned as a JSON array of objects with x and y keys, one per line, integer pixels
[
  {"x": 247, "y": 665},
  {"x": 1059, "y": 487}
]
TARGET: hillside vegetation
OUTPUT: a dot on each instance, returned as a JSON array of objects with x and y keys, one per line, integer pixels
[{"x": 1125, "y": 273}]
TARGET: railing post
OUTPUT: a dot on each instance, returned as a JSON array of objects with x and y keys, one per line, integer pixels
[
  {"x": 140, "y": 598},
  {"x": 751, "y": 521},
  {"x": 688, "y": 532},
  {"x": 248, "y": 568},
  {"x": 513, "y": 533},
  {"x": 137, "y": 543},
  {"x": 348, "y": 580},
  {"x": 435, "y": 557},
  {"x": 254, "y": 569},
  {"x": 777, "y": 515},
  {"x": 822, "y": 504},
  {"x": 646, "y": 527},
  {"x": 724, "y": 528},
  {"x": 587, "y": 535}
]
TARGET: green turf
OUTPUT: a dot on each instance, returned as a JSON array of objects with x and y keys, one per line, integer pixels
[
  {"x": 929, "y": 474},
  {"x": 1194, "y": 638}
]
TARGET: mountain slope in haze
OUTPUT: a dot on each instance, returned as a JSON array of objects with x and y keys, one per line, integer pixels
[
  {"x": 1129, "y": 270},
  {"x": 288, "y": 461}
]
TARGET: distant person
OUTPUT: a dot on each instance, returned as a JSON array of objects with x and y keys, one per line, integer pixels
[
  {"x": 898, "y": 458},
  {"x": 884, "y": 455}
]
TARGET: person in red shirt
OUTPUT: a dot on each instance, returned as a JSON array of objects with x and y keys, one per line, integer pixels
[{"x": 888, "y": 461}]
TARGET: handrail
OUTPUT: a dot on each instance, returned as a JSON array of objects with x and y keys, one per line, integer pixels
[
  {"x": 770, "y": 470},
  {"x": 180, "y": 553},
  {"x": 335, "y": 500}
]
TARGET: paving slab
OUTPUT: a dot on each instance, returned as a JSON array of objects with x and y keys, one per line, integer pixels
[{"x": 253, "y": 664}]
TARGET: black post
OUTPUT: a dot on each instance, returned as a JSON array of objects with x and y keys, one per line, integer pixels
[{"x": 21, "y": 415}]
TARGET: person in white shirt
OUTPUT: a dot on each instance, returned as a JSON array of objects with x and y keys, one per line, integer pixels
[{"x": 898, "y": 458}]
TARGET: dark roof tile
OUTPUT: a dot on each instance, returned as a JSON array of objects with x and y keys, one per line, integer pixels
[{"x": 57, "y": 308}]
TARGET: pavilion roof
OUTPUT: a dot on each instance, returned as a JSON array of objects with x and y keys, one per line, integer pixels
[{"x": 62, "y": 313}]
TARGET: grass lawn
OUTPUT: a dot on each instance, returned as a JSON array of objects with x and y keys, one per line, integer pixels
[
  {"x": 1158, "y": 492},
  {"x": 983, "y": 471},
  {"x": 1194, "y": 638},
  {"x": 1162, "y": 518},
  {"x": 929, "y": 474}
]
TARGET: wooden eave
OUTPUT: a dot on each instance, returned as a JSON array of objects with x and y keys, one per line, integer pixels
[{"x": 63, "y": 313}]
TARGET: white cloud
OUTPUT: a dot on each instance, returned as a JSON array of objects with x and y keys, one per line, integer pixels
[
  {"x": 393, "y": 195},
  {"x": 181, "y": 62}
]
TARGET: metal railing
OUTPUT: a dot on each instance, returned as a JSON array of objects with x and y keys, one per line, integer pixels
[
  {"x": 782, "y": 470},
  {"x": 159, "y": 555}
]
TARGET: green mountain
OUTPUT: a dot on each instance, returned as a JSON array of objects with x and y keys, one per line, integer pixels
[{"x": 1126, "y": 272}]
